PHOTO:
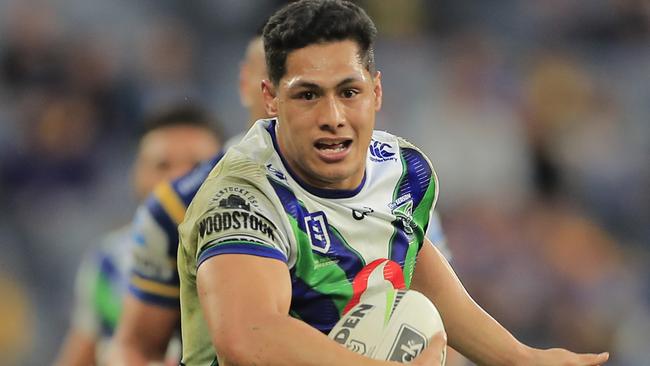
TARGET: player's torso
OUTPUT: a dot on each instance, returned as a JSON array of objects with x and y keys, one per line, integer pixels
[
  {"x": 336, "y": 234},
  {"x": 331, "y": 236}
]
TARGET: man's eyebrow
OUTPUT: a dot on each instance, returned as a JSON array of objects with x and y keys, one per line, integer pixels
[
  {"x": 347, "y": 81},
  {"x": 305, "y": 84},
  {"x": 311, "y": 85}
]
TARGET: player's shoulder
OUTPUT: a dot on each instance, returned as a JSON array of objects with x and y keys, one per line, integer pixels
[
  {"x": 187, "y": 185},
  {"x": 243, "y": 163},
  {"x": 242, "y": 172},
  {"x": 237, "y": 172},
  {"x": 386, "y": 146}
]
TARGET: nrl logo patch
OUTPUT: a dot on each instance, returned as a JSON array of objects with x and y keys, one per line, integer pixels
[{"x": 316, "y": 224}]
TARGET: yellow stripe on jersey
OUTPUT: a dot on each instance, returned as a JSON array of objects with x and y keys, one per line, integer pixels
[
  {"x": 171, "y": 202},
  {"x": 155, "y": 287}
]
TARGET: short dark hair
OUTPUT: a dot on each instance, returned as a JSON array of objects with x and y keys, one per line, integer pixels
[
  {"x": 181, "y": 115},
  {"x": 307, "y": 22}
]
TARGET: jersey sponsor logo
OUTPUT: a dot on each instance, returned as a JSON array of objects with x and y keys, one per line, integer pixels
[
  {"x": 381, "y": 151},
  {"x": 234, "y": 201},
  {"x": 316, "y": 224},
  {"x": 235, "y": 220},
  {"x": 243, "y": 193},
  {"x": 408, "y": 345},
  {"x": 235, "y": 214},
  {"x": 360, "y": 214}
]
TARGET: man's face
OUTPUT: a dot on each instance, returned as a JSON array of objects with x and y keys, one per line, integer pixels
[
  {"x": 326, "y": 104},
  {"x": 169, "y": 152},
  {"x": 251, "y": 73}
]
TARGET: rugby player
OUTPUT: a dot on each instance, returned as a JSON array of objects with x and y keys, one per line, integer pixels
[
  {"x": 270, "y": 248},
  {"x": 154, "y": 287},
  {"x": 173, "y": 142}
]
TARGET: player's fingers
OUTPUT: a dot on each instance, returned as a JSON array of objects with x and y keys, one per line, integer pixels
[
  {"x": 592, "y": 359},
  {"x": 434, "y": 353},
  {"x": 439, "y": 340}
]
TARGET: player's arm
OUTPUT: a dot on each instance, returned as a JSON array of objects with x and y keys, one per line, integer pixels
[
  {"x": 150, "y": 313},
  {"x": 77, "y": 350},
  {"x": 471, "y": 330},
  {"x": 143, "y": 333},
  {"x": 246, "y": 301}
]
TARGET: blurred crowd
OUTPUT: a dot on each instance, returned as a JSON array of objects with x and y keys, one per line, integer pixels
[{"x": 534, "y": 113}]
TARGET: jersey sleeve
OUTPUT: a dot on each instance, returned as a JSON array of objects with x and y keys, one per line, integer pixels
[
  {"x": 234, "y": 213},
  {"x": 420, "y": 184},
  {"x": 154, "y": 277},
  {"x": 239, "y": 220},
  {"x": 84, "y": 315}
]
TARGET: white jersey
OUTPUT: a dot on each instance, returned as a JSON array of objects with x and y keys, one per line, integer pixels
[
  {"x": 100, "y": 285},
  {"x": 252, "y": 203}
]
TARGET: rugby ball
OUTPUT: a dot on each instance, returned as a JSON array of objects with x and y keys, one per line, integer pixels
[{"x": 395, "y": 325}]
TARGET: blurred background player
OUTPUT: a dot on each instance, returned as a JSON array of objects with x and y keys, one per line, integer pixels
[
  {"x": 172, "y": 143},
  {"x": 152, "y": 302}
]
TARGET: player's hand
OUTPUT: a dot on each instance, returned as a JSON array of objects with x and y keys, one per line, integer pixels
[
  {"x": 433, "y": 355},
  {"x": 559, "y": 356}
]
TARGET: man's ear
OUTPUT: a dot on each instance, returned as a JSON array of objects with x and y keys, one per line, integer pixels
[
  {"x": 377, "y": 90},
  {"x": 269, "y": 94}
]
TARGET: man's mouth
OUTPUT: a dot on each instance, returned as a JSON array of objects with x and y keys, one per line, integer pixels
[
  {"x": 333, "y": 150},
  {"x": 333, "y": 146}
]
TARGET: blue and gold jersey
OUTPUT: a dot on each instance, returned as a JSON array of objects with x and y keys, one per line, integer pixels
[{"x": 154, "y": 277}]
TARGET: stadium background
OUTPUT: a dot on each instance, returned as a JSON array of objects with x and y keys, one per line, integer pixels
[{"x": 535, "y": 114}]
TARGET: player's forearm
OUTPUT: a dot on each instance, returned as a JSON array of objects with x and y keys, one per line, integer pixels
[
  {"x": 126, "y": 353},
  {"x": 469, "y": 328},
  {"x": 281, "y": 340},
  {"x": 78, "y": 349},
  {"x": 143, "y": 333}
]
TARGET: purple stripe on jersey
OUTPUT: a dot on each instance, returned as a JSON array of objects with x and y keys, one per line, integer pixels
[
  {"x": 418, "y": 175},
  {"x": 415, "y": 182},
  {"x": 347, "y": 259},
  {"x": 240, "y": 248},
  {"x": 312, "y": 307}
]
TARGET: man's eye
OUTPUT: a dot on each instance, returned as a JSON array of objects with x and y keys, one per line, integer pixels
[
  {"x": 349, "y": 93},
  {"x": 308, "y": 95}
]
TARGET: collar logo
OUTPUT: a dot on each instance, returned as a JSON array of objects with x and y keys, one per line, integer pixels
[
  {"x": 277, "y": 173},
  {"x": 381, "y": 151}
]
